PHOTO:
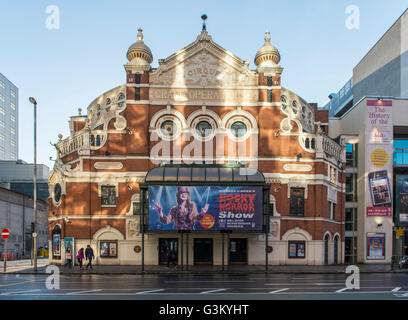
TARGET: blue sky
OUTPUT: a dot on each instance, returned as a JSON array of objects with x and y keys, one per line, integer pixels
[{"x": 66, "y": 69}]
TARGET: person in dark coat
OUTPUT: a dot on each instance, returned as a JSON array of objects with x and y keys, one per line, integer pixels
[{"x": 89, "y": 256}]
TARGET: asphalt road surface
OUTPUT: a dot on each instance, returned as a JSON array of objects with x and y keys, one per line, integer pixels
[{"x": 384, "y": 286}]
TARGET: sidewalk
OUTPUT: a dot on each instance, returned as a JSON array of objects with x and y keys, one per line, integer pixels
[
  {"x": 16, "y": 266},
  {"x": 26, "y": 268}
]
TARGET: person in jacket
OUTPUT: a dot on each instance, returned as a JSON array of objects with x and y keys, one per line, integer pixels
[
  {"x": 68, "y": 258},
  {"x": 89, "y": 256},
  {"x": 80, "y": 257}
]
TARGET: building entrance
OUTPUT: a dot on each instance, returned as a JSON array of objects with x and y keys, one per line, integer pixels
[
  {"x": 163, "y": 243},
  {"x": 203, "y": 251},
  {"x": 238, "y": 251}
]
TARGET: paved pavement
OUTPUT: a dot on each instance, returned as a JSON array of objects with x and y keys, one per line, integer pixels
[
  {"x": 24, "y": 267},
  {"x": 217, "y": 287}
]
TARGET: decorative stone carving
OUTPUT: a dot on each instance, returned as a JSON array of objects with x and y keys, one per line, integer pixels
[
  {"x": 132, "y": 229},
  {"x": 108, "y": 165},
  {"x": 297, "y": 167}
]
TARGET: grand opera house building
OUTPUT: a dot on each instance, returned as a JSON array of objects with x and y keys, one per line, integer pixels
[{"x": 203, "y": 157}]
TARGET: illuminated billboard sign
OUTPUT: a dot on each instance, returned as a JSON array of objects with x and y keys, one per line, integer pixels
[{"x": 205, "y": 208}]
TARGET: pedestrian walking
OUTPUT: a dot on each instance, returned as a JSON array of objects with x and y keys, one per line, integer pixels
[
  {"x": 89, "y": 256},
  {"x": 80, "y": 257},
  {"x": 68, "y": 258}
]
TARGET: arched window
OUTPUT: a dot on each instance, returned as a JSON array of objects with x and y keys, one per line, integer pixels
[
  {"x": 98, "y": 140},
  {"x": 313, "y": 146},
  {"x": 92, "y": 138},
  {"x": 336, "y": 249},
  {"x": 307, "y": 143},
  {"x": 326, "y": 249}
]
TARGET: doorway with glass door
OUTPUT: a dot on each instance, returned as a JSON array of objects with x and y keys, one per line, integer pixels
[{"x": 238, "y": 251}]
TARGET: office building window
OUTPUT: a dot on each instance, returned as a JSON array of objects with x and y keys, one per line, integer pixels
[
  {"x": 12, "y": 93},
  {"x": 297, "y": 202},
  {"x": 2, "y": 84},
  {"x": 12, "y": 106},
  {"x": 108, "y": 195},
  {"x": 12, "y": 143},
  {"x": 2, "y": 110},
  {"x": 351, "y": 219},
  {"x": 12, "y": 130},
  {"x": 351, "y": 187},
  {"x": 1, "y": 137},
  {"x": 351, "y": 155},
  {"x": 13, "y": 118},
  {"x": 2, "y": 97},
  {"x": 2, "y": 123}
]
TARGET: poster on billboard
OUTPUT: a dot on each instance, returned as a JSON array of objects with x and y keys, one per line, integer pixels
[
  {"x": 376, "y": 246},
  {"x": 379, "y": 155},
  {"x": 56, "y": 245},
  {"x": 401, "y": 199},
  {"x": 205, "y": 208}
]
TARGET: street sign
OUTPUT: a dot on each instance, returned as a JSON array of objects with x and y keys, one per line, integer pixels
[
  {"x": 399, "y": 232},
  {"x": 5, "y": 233}
]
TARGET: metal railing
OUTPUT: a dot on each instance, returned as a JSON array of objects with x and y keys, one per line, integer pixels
[{"x": 340, "y": 98}]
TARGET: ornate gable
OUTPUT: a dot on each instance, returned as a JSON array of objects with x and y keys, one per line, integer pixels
[{"x": 203, "y": 65}]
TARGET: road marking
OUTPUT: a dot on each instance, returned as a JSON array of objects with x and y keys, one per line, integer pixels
[
  {"x": 150, "y": 291},
  {"x": 19, "y": 292},
  {"x": 396, "y": 289},
  {"x": 212, "y": 291},
  {"x": 280, "y": 290},
  {"x": 341, "y": 290},
  {"x": 87, "y": 291}
]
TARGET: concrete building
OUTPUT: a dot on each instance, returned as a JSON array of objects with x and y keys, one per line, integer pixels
[
  {"x": 8, "y": 119},
  {"x": 203, "y": 155},
  {"x": 17, "y": 215},
  {"x": 379, "y": 88},
  {"x": 383, "y": 71},
  {"x": 18, "y": 176}
]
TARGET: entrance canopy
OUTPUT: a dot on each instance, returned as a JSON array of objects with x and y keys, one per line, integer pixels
[{"x": 204, "y": 174}]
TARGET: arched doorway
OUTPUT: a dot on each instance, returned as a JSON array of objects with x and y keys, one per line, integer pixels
[{"x": 326, "y": 249}]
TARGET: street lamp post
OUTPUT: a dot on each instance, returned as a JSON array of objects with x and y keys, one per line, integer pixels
[{"x": 32, "y": 100}]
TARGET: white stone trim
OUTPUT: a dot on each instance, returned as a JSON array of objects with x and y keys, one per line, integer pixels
[
  {"x": 167, "y": 112},
  {"x": 330, "y": 236},
  {"x": 297, "y": 231},
  {"x": 110, "y": 229},
  {"x": 204, "y": 112},
  {"x": 195, "y": 122},
  {"x": 239, "y": 112},
  {"x": 310, "y": 219},
  {"x": 108, "y": 165},
  {"x": 297, "y": 184},
  {"x": 297, "y": 167},
  {"x": 177, "y": 122}
]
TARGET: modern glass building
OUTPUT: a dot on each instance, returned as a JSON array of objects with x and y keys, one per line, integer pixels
[{"x": 8, "y": 119}]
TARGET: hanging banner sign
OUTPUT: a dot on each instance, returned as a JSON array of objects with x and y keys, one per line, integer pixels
[
  {"x": 205, "y": 208},
  {"x": 379, "y": 155}
]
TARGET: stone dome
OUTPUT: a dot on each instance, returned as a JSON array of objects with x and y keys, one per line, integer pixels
[
  {"x": 268, "y": 54},
  {"x": 139, "y": 50}
]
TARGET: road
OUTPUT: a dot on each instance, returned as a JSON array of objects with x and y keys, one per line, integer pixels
[{"x": 384, "y": 286}]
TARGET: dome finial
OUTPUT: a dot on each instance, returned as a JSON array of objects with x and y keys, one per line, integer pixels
[
  {"x": 140, "y": 34},
  {"x": 267, "y": 37}
]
